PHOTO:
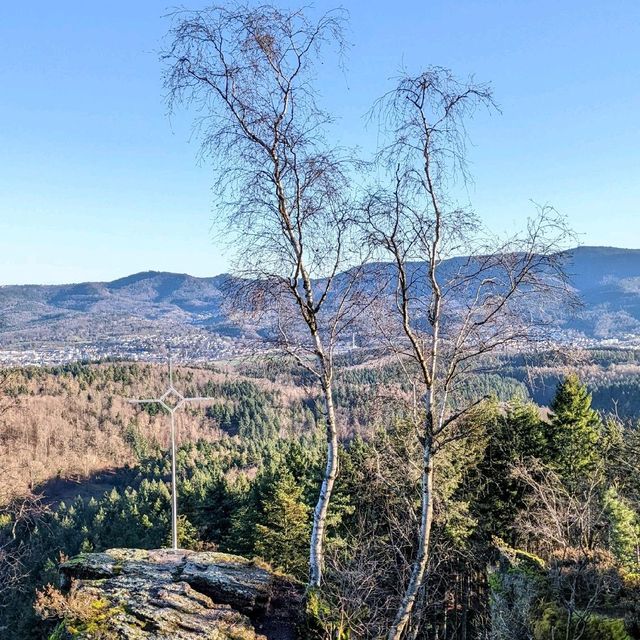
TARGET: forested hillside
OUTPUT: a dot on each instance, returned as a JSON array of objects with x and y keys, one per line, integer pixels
[
  {"x": 536, "y": 519},
  {"x": 401, "y": 415},
  {"x": 75, "y": 420}
]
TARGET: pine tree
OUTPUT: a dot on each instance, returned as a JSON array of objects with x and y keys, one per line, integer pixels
[
  {"x": 514, "y": 435},
  {"x": 573, "y": 431},
  {"x": 283, "y": 536}
]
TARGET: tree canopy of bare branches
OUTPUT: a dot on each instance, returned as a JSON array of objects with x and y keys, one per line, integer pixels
[
  {"x": 283, "y": 196},
  {"x": 449, "y": 314}
]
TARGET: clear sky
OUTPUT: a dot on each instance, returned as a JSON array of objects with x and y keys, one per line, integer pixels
[{"x": 96, "y": 182}]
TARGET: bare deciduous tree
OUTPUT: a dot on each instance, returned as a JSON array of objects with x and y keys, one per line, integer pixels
[
  {"x": 282, "y": 190},
  {"x": 19, "y": 516},
  {"x": 449, "y": 314},
  {"x": 567, "y": 526},
  {"x": 363, "y": 574}
]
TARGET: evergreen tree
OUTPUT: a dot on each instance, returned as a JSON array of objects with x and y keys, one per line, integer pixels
[
  {"x": 283, "y": 535},
  {"x": 496, "y": 496},
  {"x": 573, "y": 431},
  {"x": 624, "y": 529}
]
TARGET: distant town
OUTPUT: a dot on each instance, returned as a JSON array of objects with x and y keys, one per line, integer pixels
[{"x": 199, "y": 346}]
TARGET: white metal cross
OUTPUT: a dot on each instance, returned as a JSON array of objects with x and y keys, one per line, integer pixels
[{"x": 171, "y": 400}]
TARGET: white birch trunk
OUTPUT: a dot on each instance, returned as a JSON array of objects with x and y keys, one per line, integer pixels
[
  {"x": 316, "y": 551},
  {"x": 420, "y": 564}
]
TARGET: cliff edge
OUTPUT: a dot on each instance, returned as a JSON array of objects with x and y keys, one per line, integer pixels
[{"x": 133, "y": 594}]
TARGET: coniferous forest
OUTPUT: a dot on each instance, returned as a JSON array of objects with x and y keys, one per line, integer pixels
[{"x": 536, "y": 528}]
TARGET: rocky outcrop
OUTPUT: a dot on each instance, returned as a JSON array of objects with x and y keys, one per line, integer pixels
[
  {"x": 517, "y": 582},
  {"x": 132, "y": 594}
]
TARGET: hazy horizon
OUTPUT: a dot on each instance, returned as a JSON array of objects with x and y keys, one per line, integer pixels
[{"x": 123, "y": 276}]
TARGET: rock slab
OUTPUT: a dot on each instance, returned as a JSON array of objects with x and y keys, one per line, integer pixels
[{"x": 133, "y": 594}]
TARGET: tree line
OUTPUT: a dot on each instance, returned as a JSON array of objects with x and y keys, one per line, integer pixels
[{"x": 535, "y": 528}]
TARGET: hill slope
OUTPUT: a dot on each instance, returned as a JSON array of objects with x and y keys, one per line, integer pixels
[{"x": 158, "y": 305}]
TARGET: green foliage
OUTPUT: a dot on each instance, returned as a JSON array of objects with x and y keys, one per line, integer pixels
[
  {"x": 573, "y": 431},
  {"x": 555, "y": 623},
  {"x": 630, "y": 603},
  {"x": 188, "y": 537},
  {"x": 282, "y": 538},
  {"x": 252, "y": 492},
  {"x": 624, "y": 529},
  {"x": 517, "y": 583},
  {"x": 59, "y": 632},
  {"x": 515, "y": 434},
  {"x": 321, "y": 619},
  {"x": 260, "y": 502},
  {"x": 246, "y": 411},
  {"x": 138, "y": 443}
]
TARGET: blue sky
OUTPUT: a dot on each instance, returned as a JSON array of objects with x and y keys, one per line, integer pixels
[{"x": 96, "y": 182}]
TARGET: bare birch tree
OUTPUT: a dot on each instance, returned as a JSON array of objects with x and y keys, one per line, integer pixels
[
  {"x": 449, "y": 314},
  {"x": 282, "y": 190},
  {"x": 20, "y": 517}
]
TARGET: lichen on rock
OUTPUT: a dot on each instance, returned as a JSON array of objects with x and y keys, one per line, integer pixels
[{"x": 133, "y": 594}]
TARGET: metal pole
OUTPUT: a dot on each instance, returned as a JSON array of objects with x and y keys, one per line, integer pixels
[{"x": 174, "y": 489}]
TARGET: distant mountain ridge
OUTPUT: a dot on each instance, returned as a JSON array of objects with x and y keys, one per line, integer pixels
[{"x": 606, "y": 278}]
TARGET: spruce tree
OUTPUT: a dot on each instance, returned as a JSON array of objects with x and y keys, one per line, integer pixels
[
  {"x": 573, "y": 431},
  {"x": 515, "y": 434},
  {"x": 283, "y": 535}
]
